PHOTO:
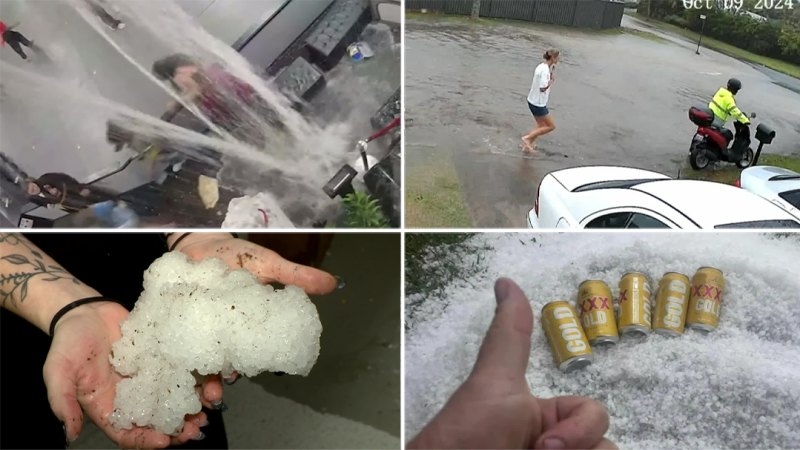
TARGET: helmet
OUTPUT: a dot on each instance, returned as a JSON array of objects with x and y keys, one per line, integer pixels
[{"x": 734, "y": 85}]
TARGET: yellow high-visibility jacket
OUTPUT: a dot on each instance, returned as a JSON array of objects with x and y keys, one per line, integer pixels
[{"x": 724, "y": 106}]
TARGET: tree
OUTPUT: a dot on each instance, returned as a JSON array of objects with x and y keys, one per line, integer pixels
[
  {"x": 476, "y": 9},
  {"x": 789, "y": 42}
]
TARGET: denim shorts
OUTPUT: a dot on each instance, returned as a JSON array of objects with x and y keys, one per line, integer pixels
[{"x": 538, "y": 111}]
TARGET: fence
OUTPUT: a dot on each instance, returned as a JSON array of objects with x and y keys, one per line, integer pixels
[{"x": 576, "y": 13}]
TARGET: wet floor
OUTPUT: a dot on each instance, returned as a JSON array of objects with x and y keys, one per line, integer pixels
[{"x": 619, "y": 98}]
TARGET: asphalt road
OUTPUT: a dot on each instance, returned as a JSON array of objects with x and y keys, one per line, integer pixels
[{"x": 619, "y": 98}]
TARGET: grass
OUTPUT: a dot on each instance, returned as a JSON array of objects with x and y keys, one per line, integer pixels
[
  {"x": 434, "y": 198},
  {"x": 430, "y": 262},
  {"x": 439, "y": 16},
  {"x": 645, "y": 35},
  {"x": 433, "y": 261},
  {"x": 729, "y": 173},
  {"x": 728, "y": 49}
]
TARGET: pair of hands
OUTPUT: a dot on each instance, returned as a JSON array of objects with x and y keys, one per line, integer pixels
[
  {"x": 495, "y": 408},
  {"x": 80, "y": 378}
]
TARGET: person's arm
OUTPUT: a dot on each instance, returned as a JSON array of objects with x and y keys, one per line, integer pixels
[
  {"x": 738, "y": 114},
  {"x": 267, "y": 265},
  {"x": 189, "y": 238},
  {"x": 32, "y": 285},
  {"x": 79, "y": 377},
  {"x": 173, "y": 108},
  {"x": 544, "y": 82}
]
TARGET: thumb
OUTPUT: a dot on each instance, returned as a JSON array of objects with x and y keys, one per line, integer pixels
[
  {"x": 507, "y": 344},
  {"x": 61, "y": 393}
]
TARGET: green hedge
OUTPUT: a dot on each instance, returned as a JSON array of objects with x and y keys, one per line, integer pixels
[
  {"x": 776, "y": 38},
  {"x": 677, "y": 20}
]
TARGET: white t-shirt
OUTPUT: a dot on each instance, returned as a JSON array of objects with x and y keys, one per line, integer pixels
[{"x": 541, "y": 78}]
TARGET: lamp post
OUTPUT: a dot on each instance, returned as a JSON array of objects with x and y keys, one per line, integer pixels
[{"x": 702, "y": 29}]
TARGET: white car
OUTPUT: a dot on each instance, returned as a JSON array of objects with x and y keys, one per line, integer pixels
[
  {"x": 623, "y": 197},
  {"x": 776, "y": 184}
]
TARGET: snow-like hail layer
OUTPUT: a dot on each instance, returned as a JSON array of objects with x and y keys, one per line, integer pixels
[
  {"x": 199, "y": 316},
  {"x": 738, "y": 387}
]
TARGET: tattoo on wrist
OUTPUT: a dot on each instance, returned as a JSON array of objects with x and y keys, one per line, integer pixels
[{"x": 15, "y": 283}]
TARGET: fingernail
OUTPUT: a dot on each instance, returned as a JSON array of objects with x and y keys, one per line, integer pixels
[
  {"x": 501, "y": 287},
  {"x": 220, "y": 406},
  {"x": 203, "y": 423},
  {"x": 340, "y": 283},
  {"x": 553, "y": 443},
  {"x": 66, "y": 439},
  {"x": 230, "y": 381},
  {"x": 280, "y": 374},
  {"x": 200, "y": 436}
]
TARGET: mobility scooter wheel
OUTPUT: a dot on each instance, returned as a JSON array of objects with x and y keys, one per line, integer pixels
[
  {"x": 747, "y": 159},
  {"x": 698, "y": 158}
]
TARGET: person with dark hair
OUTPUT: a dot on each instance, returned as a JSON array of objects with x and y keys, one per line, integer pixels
[
  {"x": 15, "y": 39},
  {"x": 223, "y": 98},
  {"x": 538, "y": 96}
]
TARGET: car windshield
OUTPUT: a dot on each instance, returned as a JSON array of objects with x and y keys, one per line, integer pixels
[
  {"x": 762, "y": 224},
  {"x": 792, "y": 197}
]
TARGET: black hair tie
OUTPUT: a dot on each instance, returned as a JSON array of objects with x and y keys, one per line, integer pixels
[
  {"x": 177, "y": 241},
  {"x": 72, "y": 306}
]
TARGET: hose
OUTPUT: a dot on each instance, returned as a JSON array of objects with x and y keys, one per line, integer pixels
[{"x": 385, "y": 130}]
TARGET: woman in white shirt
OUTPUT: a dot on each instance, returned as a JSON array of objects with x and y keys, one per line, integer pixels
[{"x": 543, "y": 79}]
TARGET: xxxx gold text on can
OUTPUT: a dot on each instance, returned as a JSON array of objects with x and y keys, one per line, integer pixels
[
  {"x": 596, "y": 310},
  {"x": 571, "y": 350},
  {"x": 705, "y": 300},
  {"x": 672, "y": 301},
  {"x": 634, "y": 305}
]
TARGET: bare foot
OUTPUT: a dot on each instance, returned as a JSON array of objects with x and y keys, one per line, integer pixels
[
  {"x": 526, "y": 145},
  {"x": 530, "y": 148}
]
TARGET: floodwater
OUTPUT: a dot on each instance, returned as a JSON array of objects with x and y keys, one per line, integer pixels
[
  {"x": 56, "y": 105},
  {"x": 619, "y": 98}
]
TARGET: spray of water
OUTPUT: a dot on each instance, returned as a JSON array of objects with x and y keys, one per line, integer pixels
[
  {"x": 284, "y": 133},
  {"x": 39, "y": 91},
  {"x": 65, "y": 104},
  {"x": 83, "y": 8}
]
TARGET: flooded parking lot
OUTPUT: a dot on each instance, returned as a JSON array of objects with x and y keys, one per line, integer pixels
[{"x": 621, "y": 97}]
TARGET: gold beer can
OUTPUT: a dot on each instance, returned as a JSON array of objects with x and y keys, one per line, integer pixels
[
  {"x": 672, "y": 302},
  {"x": 705, "y": 300},
  {"x": 634, "y": 305},
  {"x": 596, "y": 310},
  {"x": 571, "y": 350}
]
